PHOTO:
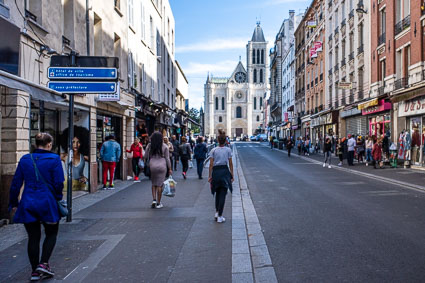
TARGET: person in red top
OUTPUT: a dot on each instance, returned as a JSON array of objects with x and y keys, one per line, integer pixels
[
  {"x": 137, "y": 150},
  {"x": 377, "y": 153}
]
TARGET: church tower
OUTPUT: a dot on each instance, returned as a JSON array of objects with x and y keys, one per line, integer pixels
[{"x": 256, "y": 57}]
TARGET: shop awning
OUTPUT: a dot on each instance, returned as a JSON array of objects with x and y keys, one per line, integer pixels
[
  {"x": 367, "y": 104},
  {"x": 36, "y": 91}
]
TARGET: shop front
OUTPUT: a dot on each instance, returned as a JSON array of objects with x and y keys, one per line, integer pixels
[
  {"x": 378, "y": 117},
  {"x": 355, "y": 123},
  {"x": 414, "y": 113},
  {"x": 305, "y": 127}
]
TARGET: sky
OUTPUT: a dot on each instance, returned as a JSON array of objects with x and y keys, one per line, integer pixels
[{"x": 212, "y": 34}]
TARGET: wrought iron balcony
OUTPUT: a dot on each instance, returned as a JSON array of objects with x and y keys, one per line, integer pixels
[
  {"x": 400, "y": 83},
  {"x": 343, "y": 23},
  {"x": 336, "y": 30},
  {"x": 321, "y": 77},
  {"x": 336, "y": 67},
  {"x": 330, "y": 71},
  {"x": 351, "y": 15},
  {"x": 402, "y": 25},
  {"x": 343, "y": 62},
  {"x": 351, "y": 56},
  {"x": 360, "y": 49},
  {"x": 312, "y": 84},
  {"x": 316, "y": 81},
  {"x": 330, "y": 37},
  {"x": 30, "y": 15},
  {"x": 381, "y": 39},
  {"x": 330, "y": 4}
]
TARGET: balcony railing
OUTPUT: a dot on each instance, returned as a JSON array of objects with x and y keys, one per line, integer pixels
[
  {"x": 330, "y": 4},
  {"x": 312, "y": 84},
  {"x": 343, "y": 62},
  {"x": 330, "y": 37},
  {"x": 30, "y": 15},
  {"x": 381, "y": 39},
  {"x": 308, "y": 86},
  {"x": 316, "y": 81},
  {"x": 400, "y": 83},
  {"x": 321, "y": 77},
  {"x": 360, "y": 49},
  {"x": 330, "y": 71},
  {"x": 351, "y": 56},
  {"x": 402, "y": 25},
  {"x": 343, "y": 23},
  {"x": 351, "y": 15},
  {"x": 336, "y": 67},
  {"x": 336, "y": 30},
  {"x": 381, "y": 90}
]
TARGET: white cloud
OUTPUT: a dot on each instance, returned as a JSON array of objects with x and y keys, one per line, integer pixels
[
  {"x": 222, "y": 68},
  {"x": 213, "y": 45},
  {"x": 280, "y": 2}
]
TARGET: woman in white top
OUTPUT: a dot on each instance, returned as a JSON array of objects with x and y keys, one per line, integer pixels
[
  {"x": 220, "y": 175},
  {"x": 369, "y": 146}
]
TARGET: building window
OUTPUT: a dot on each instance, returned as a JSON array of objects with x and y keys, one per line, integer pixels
[
  {"x": 261, "y": 102},
  {"x": 261, "y": 76},
  {"x": 253, "y": 56},
  {"x": 262, "y": 56},
  {"x": 255, "y": 75},
  {"x": 258, "y": 118},
  {"x": 216, "y": 103},
  {"x": 382, "y": 70},
  {"x": 130, "y": 13},
  {"x": 143, "y": 22},
  {"x": 220, "y": 119},
  {"x": 98, "y": 34},
  {"x": 255, "y": 103},
  {"x": 222, "y": 103},
  {"x": 238, "y": 112},
  {"x": 258, "y": 56},
  {"x": 152, "y": 35},
  {"x": 382, "y": 22}
]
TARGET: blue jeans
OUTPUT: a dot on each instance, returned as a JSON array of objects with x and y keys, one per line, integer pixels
[
  {"x": 200, "y": 166},
  {"x": 369, "y": 155}
]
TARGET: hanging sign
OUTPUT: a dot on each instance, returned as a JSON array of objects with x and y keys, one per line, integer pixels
[
  {"x": 311, "y": 24},
  {"x": 313, "y": 53},
  {"x": 318, "y": 45}
]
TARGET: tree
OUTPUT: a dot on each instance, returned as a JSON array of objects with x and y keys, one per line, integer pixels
[{"x": 194, "y": 115}]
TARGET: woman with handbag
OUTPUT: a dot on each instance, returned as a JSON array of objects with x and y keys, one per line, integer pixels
[
  {"x": 185, "y": 152},
  {"x": 220, "y": 174},
  {"x": 137, "y": 150},
  {"x": 157, "y": 157},
  {"x": 42, "y": 174}
]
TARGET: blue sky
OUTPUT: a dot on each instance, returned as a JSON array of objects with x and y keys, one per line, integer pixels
[{"x": 212, "y": 34}]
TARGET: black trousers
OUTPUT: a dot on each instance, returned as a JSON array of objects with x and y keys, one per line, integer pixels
[
  {"x": 350, "y": 157},
  {"x": 200, "y": 166},
  {"x": 220, "y": 199},
  {"x": 185, "y": 163},
  {"x": 34, "y": 236},
  {"x": 289, "y": 151},
  {"x": 175, "y": 161},
  {"x": 135, "y": 163}
]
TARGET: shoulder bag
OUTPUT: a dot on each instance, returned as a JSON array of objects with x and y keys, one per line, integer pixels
[{"x": 62, "y": 205}]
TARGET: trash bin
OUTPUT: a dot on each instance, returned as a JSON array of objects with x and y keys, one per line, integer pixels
[
  {"x": 275, "y": 143},
  {"x": 393, "y": 158}
]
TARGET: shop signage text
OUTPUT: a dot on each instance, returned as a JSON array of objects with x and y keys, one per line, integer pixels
[
  {"x": 79, "y": 73},
  {"x": 311, "y": 24},
  {"x": 83, "y": 87},
  {"x": 412, "y": 107},
  {"x": 345, "y": 85},
  {"x": 382, "y": 106}
]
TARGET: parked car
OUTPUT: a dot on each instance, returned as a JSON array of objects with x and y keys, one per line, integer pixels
[
  {"x": 253, "y": 138},
  {"x": 262, "y": 137}
]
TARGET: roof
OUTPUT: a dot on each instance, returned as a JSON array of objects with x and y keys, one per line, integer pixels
[
  {"x": 258, "y": 35},
  {"x": 218, "y": 80}
]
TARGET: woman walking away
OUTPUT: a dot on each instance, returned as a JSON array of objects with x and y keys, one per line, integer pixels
[
  {"x": 42, "y": 174},
  {"x": 220, "y": 175},
  {"x": 327, "y": 148},
  {"x": 200, "y": 154},
  {"x": 340, "y": 150},
  {"x": 159, "y": 163},
  {"x": 137, "y": 150},
  {"x": 369, "y": 146},
  {"x": 170, "y": 150},
  {"x": 377, "y": 153},
  {"x": 360, "y": 147},
  {"x": 289, "y": 146},
  {"x": 185, "y": 153}
]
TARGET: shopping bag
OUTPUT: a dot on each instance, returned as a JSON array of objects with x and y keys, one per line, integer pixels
[
  {"x": 141, "y": 164},
  {"x": 169, "y": 188},
  {"x": 190, "y": 164}
]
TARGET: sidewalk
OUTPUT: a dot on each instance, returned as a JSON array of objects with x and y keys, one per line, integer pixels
[
  {"x": 412, "y": 177},
  {"x": 121, "y": 239}
]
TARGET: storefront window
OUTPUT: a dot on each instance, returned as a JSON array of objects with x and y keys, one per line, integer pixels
[
  {"x": 416, "y": 134},
  {"x": 379, "y": 125}
]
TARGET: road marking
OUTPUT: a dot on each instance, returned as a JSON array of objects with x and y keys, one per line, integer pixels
[{"x": 261, "y": 269}]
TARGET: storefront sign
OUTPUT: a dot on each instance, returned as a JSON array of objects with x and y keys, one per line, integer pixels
[
  {"x": 326, "y": 119},
  {"x": 313, "y": 52},
  {"x": 412, "y": 107},
  {"x": 311, "y": 24},
  {"x": 318, "y": 45},
  {"x": 350, "y": 112},
  {"x": 382, "y": 106},
  {"x": 83, "y": 87},
  {"x": 345, "y": 85},
  {"x": 315, "y": 122},
  {"x": 367, "y": 104}
]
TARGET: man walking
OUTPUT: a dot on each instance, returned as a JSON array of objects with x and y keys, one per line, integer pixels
[
  {"x": 351, "y": 144},
  {"x": 110, "y": 154},
  {"x": 176, "y": 145}
]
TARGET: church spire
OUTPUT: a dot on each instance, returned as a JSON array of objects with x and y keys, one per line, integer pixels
[{"x": 258, "y": 35}]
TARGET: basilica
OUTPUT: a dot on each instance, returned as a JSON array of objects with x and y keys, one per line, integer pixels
[{"x": 235, "y": 104}]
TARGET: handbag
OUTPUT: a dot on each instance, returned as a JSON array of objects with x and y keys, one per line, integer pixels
[{"x": 62, "y": 205}]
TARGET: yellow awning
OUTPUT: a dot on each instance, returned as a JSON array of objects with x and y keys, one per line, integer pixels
[{"x": 367, "y": 104}]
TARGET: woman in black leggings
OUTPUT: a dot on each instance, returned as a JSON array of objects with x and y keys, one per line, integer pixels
[
  {"x": 220, "y": 175},
  {"x": 42, "y": 174}
]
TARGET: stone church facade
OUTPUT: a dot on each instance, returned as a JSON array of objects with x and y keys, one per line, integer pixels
[{"x": 235, "y": 104}]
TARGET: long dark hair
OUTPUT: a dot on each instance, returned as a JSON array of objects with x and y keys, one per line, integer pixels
[{"x": 156, "y": 144}]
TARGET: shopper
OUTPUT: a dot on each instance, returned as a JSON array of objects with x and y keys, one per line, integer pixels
[
  {"x": 340, "y": 150},
  {"x": 377, "y": 153},
  {"x": 200, "y": 154},
  {"x": 110, "y": 154},
  {"x": 307, "y": 146},
  {"x": 137, "y": 150},
  {"x": 185, "y": 153},
  {"x": 170, "y": 149},
  {"x": 351, "y": 143},
  {"x": 327, "y": 148},
  {"x": 271, "y": 141},
  {"x": 298, "y": 144},
  {"x": 289, "y": 146},
  {"x": 369, "y": 146},
  {"x": 220, "y": 175},
  {"x": 360, "y": 147},
  {"x": 42, "y": 174},
  {"x": 176, "y": 144},
  {"x": 157, "y": 155}
]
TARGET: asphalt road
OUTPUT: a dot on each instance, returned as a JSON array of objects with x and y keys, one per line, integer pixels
[{"x": 325, "y": 225}]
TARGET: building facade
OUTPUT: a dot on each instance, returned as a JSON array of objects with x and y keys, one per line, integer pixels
[{"x": 235, "y": 104}]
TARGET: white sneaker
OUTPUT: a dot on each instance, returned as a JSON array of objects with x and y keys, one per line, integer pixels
[
  {"x": 153, "y": 205},
  {"x": 340, "y": 164},
  {"x": 367, "y": 163},
  {"x": 221, "y": 219},
  {"x": 159, "y": 206},
  {"x": 324, "y": 165},
  {"x": 216, "y": 216},
  {"x": 329, "y": 167}
]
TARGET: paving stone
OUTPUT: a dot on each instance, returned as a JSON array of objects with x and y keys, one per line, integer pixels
[
  {"x": 241, "y": 263},
  {"x": 240, "y": 247},
  {"x": 242, "y": 277}
]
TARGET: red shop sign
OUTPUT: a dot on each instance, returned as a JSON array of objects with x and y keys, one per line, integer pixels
[{"x": 382, "y": 106}]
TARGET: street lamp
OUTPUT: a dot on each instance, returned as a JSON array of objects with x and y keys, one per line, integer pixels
[{"x": 360, "y": 8}]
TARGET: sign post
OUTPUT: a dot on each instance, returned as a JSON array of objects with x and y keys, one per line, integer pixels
[{"x": 73, "y": 74}]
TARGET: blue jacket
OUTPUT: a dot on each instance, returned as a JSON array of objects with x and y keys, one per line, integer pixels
[
  {"x": 200, "y": 151},
  {"x": 110, "y": 151},
  {"x": 37, "y": 202}
]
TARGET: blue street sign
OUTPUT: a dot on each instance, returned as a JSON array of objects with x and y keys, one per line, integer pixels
[
  {"x": 84, "y": 87},
  {"x": 80, "y": 73}
]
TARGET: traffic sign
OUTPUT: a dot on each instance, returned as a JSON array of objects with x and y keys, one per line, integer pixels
[
  {"x": 82, "y": 73},
  {"x": 83, "y": 87}
]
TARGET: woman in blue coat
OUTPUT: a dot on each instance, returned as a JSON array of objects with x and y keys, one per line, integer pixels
[{"x": 38, "y": 203}]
